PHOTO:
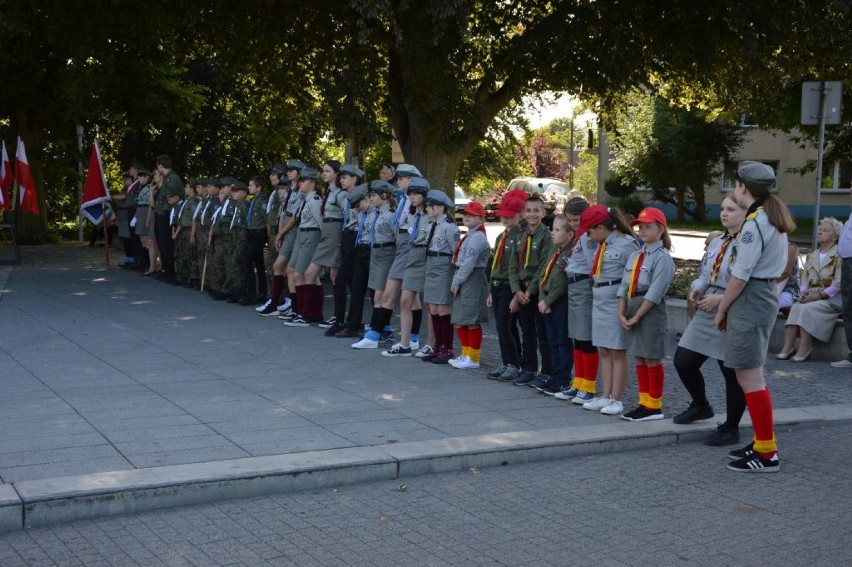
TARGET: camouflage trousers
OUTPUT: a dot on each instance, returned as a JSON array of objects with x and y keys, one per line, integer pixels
[
  {"x": 235, "y": 282},
  {"x": 183, "y": 257},
  {"x": 217, "y": 260}
]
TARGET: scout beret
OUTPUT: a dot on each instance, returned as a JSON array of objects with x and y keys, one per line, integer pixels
[
  {"x": 379, "y": 186},
  {"x": 438, "y": 197},
  {"x": 239, "y": 186},
  {"x": 755, "y": 174},
  {"x": 227, "y": 180},
  {"x": 308, "y": 173},
  {"x": 419, "y": 185},
  {"x": 279, "y": 168},
  {"x": 349, "y": 169},
  {"x": 510, "y": 206},
  {"x": 212, "y": 181},
  {"x": 170, "y": 191},
  {"x": 592, "y": 217},
  {"x": 475, "y": 209},
  {"x": 357, "y": 193},
  {"x": 144, "y": 172},
  {"x": 192, "y": 182},
  {"x": 294, "y": 164},
  {"x": 407, "y": 170}
]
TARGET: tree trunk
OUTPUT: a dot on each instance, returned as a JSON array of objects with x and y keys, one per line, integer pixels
[
  {"x": 31, "y": 228},
  {"x": 700, "y": 203},
  {"x": 680, "y": 198}
]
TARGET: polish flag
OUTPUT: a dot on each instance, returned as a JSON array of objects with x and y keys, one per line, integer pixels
[
  {"x": 95, "y": 191},
  {"x": 26, "y": 183},
  {"x": 5, "y": 179}
]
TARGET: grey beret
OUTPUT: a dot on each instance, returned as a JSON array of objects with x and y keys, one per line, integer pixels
[
  {"x": 379, "y": 186},
  {"x": 419, "y": 185},
  {"x": 407, "y": 170},
  {"x": 438, "y": 197},
  {"x": 755, "y": 174},
  {"x": 294, "y": 164},
  {"x": 349, "y": 169},
  {"x": 357, "y": 193},
  {"x": 309, "y": 173}
]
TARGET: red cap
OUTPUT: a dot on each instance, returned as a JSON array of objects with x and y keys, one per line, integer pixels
[
  {"x": 517, "y": 194},
  {"x": 650, "y": 214},
  {"x": 510, "y": 206},
  {"x": 475, "y": 209},
  {"x": 592, "y": 217}
]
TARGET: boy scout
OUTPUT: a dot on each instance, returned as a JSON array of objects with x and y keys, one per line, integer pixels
[
  {"x": 235, "y": 281},
  {"x": 219, "y": 240},
  {"x": 254, "y": 260}
]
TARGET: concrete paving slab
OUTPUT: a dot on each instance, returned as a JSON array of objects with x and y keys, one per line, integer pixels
[{"x": 11, "y": 509}]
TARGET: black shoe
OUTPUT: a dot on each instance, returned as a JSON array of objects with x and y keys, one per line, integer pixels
[
  {"x": 742, "y": 453},
  {"x": 756, "y": 464},
  {"x": 539, "y": 382},
  {"x": 332, "y": 331},
  {"x": 724, "y": 435},
  {"x": 524, "y": 378},
  {"x": 693, "y": 413},
  {"x": 643, "y": 414},
  {"x": 553, "y": 386}
]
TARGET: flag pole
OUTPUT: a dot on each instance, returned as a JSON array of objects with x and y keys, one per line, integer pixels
[{"x": 106, "y": 234}]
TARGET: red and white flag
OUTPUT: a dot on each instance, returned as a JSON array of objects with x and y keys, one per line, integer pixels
[
  {"x": 95, "y": 191},
  {"x": 28, "y": 198},
  {"x": 5, "y": 179}
]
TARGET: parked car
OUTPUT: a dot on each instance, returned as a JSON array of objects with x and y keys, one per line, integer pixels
[
  {"x": 461, "y": 202},
  {"x": 491, "y": 212},
  {"x": 554, "y": 192}
]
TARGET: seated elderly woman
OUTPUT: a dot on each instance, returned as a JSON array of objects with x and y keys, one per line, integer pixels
[{"x": 819, "y": 304}]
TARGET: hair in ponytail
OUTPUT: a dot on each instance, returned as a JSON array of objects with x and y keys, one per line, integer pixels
[
  {"x": 616, "y": 222},
  {"x": 776, "y": 211},
  {"x": 665, "y": 237}
]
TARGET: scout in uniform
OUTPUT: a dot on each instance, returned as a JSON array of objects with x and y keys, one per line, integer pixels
[
  {"x": 285, "y": 240},
  {"x": 616, "y": 243},
  {"x": 414, "y": 273},
  {"x": 218, "y": 240},
  {"x": 185, "y": 258},
  {"x": 350, "y": 176},
  {"x": 553, "y": 305},
  {"x": 749, "y": 306},
  {"x": 202, "y": 219},
  {"x": 380, "y": 234},
  {"x": 702, "y": 340},
  {"x": 236, "y": 284},
  {"x": 272, "y": 210},
  {"x": 254, "y": 263},
  {"x": 535, "y": 248},
  {"x": 440, "y": 245},
  {"x": 510, "y": 211},
  {"x": 580, "y": 262},
  {"x": 141, "y": 226},
  {"x": 470, "y": 287},
  {"x": 173, "y": 183},
  {"x": 360, "y": 206},
  {"x": 642, "y": 310},
  {"x": 126, "y": 208},
  {"x": 309, "y": 292},
  {"x": 327, "y": 254}
]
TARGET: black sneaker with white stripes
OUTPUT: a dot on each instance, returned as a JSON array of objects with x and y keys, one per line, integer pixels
[
  {"x": 756, "y": 464},
  {"x": 328, "y": 322},
  {"x": 746, "y": 451}
]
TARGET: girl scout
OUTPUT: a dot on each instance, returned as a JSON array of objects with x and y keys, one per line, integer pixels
[
  {"x": 606, "y": 226},
  {"x": 470, "y": 287},
  {"x": 642, "y": 310},
  {"x": 285, "y": 240},
  {"x": 750, "y": 303},
  {"x": 702, "y": 340},
  {"x": 327, "y": 253},
  {"x": 309, "y": 295}
]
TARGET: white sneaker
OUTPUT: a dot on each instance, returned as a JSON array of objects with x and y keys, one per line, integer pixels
[
  {"x": 287, "y": 304},
  {"x": 465, "y": 363},
  {"x": 841, "y": 364},
  {"x": 415, "y": 345},
  {"x": 366, "y": 343},
  {"x": 613, "y": 408},
  {"x": 397, "y": 350},
  {"x": 264, "y": 306},
  {"x": 454, "y": 362},
  {"x": 596, "y": 404},
  {"x": 425, "y": 351}
]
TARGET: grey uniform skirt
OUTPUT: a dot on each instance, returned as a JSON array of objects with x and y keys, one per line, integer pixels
[
  {"x": 702, "y": 336},
  {"x": 580, "y": 310},
  {"x": 288, "y": 243},
  {"x": 414, "y": 277},
  {"x": 750, "y": 320},
  {"x": 439, "y": 278},
  {"x": 469, "y": 304},
  {"x": 141, "y": 215},
  {"x": 397, "y": 269},
  {"x": 607, "y": 332},
  {"x": 380, "y": 264},
  {"x": 303, "y": 251},
  {"x": 328, "y": 250},
  {"x": 648, "y": 338}
]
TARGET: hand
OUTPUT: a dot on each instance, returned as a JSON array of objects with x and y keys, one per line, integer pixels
[
  {"x": 624, "y": 322},
  {"x": 710, "y": 302},
  {"x": 513, "y": 305},
  {"x": 488, "y": 301},
  {"x": 544, "y": 308},
  {"x": 721, "y": 320},
  {"x": 694, "y": 296},
  {"x": 192, "y": 240},
  {"x": 519, "y": 297},
  {"x": 454, "y": 290},
  {"x": 526, "y": 299}
]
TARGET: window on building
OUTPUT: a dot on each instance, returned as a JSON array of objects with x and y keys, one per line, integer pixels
[
  {"x": 838, "y": 177},
  {"x": 731, "y": 168}
]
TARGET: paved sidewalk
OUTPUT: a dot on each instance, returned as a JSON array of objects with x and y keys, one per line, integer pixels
[
  {"x": 107, "y": 371},
  {"x": 670, "y": 506}
]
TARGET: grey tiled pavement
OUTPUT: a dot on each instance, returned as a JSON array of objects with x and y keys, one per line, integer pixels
[
  {"x": 669, "y": 506},
  {"x": 105, "y": 370}
]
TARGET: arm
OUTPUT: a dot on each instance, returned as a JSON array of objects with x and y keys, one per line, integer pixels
[{"x": 732, "y": 292}]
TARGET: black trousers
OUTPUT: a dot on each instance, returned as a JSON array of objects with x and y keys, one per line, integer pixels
[
  {"x": 343, "y": 281},
  {"x": 534, "y": 337},
  {"x": 163, "y": 233},
  {"x": 360, "y": 277},
  {"x": 688, "y": 365},
  {"x": 506, "y": 323},
  {"x": 255, "y": 262},
  {"x": 846, "y": 296}
]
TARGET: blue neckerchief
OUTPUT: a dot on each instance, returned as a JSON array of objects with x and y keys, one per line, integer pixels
[
  {"x": 398, "y": 214},
  {"x": 414, "y": 228},
  {"x": 248, "y": 215},
  {"x": 363, "y": 217},
  {"x": 346, "y": 211},
  {"x": 373, "y": 228}
]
